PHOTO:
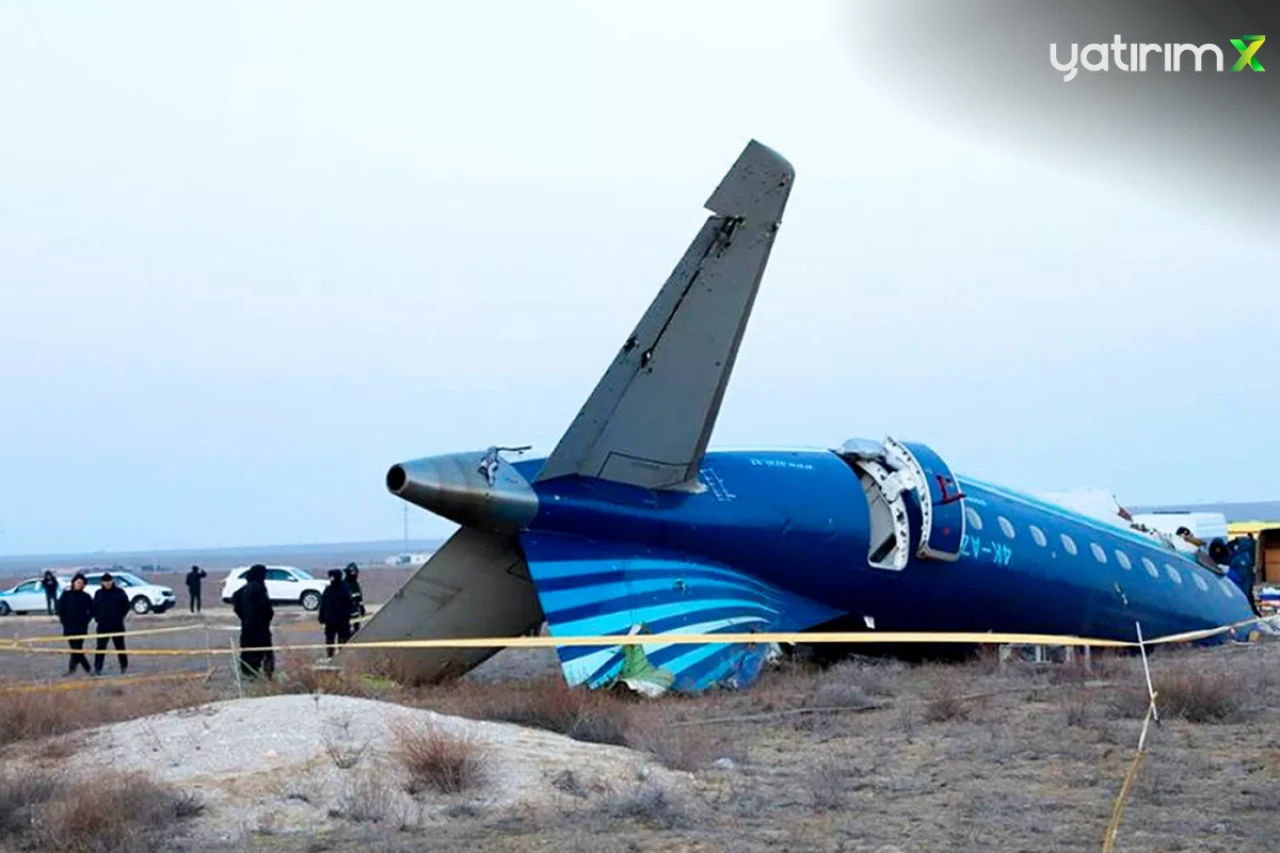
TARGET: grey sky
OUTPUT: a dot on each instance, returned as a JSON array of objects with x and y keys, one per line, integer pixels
[{"x": 252, "y": 254}]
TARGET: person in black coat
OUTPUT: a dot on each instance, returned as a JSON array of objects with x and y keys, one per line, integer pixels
[
  {"x": 335, "y": 611},
  {"x": 110, "y": 606},
  {"x": 75, "y": 612},
  {"x": 50, "y": 585},
  {"x": 252, "y": 605},
  {"x": 193, "y": 587},
  {"x": 352, "y": 581}
]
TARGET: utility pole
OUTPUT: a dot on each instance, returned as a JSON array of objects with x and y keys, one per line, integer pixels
[{"x": 406, "y": 524}]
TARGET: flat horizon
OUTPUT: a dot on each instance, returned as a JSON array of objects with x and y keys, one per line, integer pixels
[{"x": 389, "y": 546}]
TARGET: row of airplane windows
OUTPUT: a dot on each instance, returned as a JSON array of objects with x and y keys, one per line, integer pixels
[{"x": 1099, "y": 553}]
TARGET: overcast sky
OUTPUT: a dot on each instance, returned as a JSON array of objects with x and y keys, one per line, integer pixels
[{"x": 252, "y": 254}]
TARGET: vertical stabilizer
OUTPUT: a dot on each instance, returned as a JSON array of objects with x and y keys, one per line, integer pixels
[{"x": 651, "y": 415}]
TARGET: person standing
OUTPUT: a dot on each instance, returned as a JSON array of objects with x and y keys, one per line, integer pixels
[
  {"x": 75, "y": 611},
  {"x": 335, "y": 612},
  {"x": 252, "y": 604},
  {"x": 193, "y": 586},
  {"x": 352, "y": 581},
  {"x": 110, "y": 606},
  {"x": 50, "y": 585}
]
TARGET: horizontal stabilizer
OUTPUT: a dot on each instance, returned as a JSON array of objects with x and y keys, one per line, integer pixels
[
  {"x": 475, "y": 585},
  {"x": 591, "y": 590},
  {"x": 648, "y": 421}
]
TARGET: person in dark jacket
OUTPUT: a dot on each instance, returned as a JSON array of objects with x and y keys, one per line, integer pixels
[
  {"x": 252, "y": 605},
  {"x": 352, "y": 581},
  {"x": 193, "y": 586},
  {"x": 110, "y": 606},
  {"x": 335, "y": 611},
  {"x": 75, "y": 612},
  {"x": 50, "y": 585}
]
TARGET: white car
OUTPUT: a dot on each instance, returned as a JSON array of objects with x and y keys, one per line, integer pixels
[
  {"x": 26, "y": 597},
  {"x": 144, "y": 597},
  {"x": 285, "y": 585}
]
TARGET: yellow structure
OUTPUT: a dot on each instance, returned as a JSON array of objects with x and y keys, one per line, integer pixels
[{"x": 1268, "y": 535}]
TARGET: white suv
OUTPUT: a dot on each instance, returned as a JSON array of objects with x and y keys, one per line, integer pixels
[
  {"x": 144, "y": 597},
  {"x": 285, "y": 585}
]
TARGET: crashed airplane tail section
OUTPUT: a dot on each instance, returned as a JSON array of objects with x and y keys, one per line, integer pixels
[
  {"x": 646, "y": 425},
  {"x": 591, "y": 589}
]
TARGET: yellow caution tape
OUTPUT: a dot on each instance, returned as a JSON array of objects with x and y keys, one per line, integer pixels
[
  {"x": 57, "y": 638},
  {"x": 90, "y": 682},
  {"x": 550, "y": 641}
]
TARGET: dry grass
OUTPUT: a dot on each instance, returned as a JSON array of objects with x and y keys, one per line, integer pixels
[
  {"x": 29, "y": 716},
  {"x": 1033, "y": 762},
  {"x": 439, "y": 760},
  {"x": 112, "y": 813},
  {"x": 1187, "y": 689}
]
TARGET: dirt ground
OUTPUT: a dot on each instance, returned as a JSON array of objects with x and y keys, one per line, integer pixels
[{"x": 865, "y": 756}]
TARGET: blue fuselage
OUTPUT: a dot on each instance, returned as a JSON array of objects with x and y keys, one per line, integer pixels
[{"x": 800, "y": 520}]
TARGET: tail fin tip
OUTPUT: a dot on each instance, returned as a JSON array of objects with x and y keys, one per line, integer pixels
[{"x": 745, "y": 188}]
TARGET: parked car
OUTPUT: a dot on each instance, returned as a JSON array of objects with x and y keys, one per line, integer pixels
[
  {"x": 144, "y": 597},
  {"x": 26, "y": 597},
  {"x": 285, "y": 585}
]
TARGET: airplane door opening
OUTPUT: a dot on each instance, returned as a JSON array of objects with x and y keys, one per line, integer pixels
[{"x": 893, "y": 472}]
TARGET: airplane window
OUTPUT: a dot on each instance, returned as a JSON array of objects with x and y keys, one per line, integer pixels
[
  {"x": 1123, "y": 559},
  {"x": 1204, "y": 587},
  {"x": 1098, "y": 554},
  {"x": 1038, "y": 535},
  {"x": 1069, "y": 544},
  {"x": 974, "y": 519},
  {"x": 1173, "y": 574},
  {"x": 1006, "y": 526},
  {"x": 1151, "y": 568}
]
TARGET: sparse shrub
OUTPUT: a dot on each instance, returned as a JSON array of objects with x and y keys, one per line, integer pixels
[
  {"x": 679, "y": 747},
  {"x": 343, "y": 751},
  {"x": 30, "y": 716},
  {"x": 945, "y": 703},
  {"x": 1078, "y": 710},
  {"x": 438, "y": 760},
  {"x": 651, "y": 804},
  {"x": 365, "y": 798},
  {"x": 110, "y": 813},
  {"x": 1202, "y": 697},
  {"x": 1218, "y": 696},
  {"x": 20, "y": 795},
  {"x": 550, "y": 704},
  {"x": 825, "y": 785},
  {"x": 834, "y": 695},
  {"x": 566, "y": 781},
  {"x": 25, "y": 716}
]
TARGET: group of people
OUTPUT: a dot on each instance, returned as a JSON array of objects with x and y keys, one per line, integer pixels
[
  {"x": 107, "y": 607},
  {"x": 341, "y": 609},
  {"x": 341, "y": 605}
]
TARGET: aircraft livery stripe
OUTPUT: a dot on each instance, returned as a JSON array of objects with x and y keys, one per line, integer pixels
[
  {"x": 672, "y": 658},
  {"x": 627, "y": 615},
  {"x": 659, "y": 654},
  {"x": 554, "y": 570},
  {"x": 563, "y": 601},
  {"x": 671, "y": 624}
]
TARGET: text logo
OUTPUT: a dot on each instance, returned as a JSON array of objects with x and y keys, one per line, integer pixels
[
  {"x": 1138, "y": 56},
  {"x": 1248, "y": 47}
]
